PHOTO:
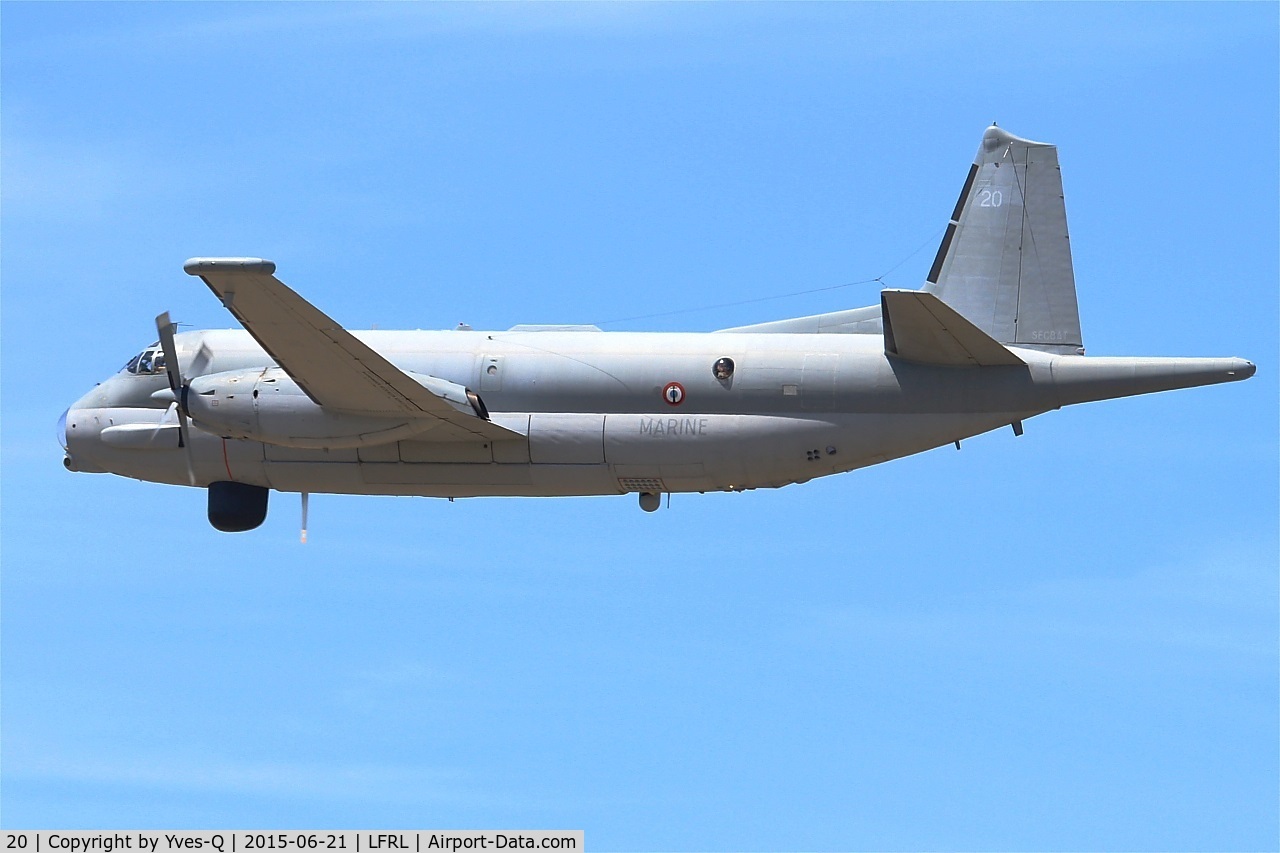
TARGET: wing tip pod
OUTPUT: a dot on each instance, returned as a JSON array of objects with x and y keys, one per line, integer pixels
[{"x": 201, "y": 266}]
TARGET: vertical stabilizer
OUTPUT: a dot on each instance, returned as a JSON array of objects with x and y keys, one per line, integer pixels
[{"x": 1005, "y": 260}]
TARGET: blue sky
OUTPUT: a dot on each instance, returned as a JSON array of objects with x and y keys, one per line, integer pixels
[{"x": 1066, "y": 640}]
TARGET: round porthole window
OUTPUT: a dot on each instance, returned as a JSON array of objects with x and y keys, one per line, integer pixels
[{"x": 723, "y": 369}]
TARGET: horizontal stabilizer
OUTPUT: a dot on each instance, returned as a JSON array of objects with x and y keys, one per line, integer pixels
[{"x": 920, "y": 327}]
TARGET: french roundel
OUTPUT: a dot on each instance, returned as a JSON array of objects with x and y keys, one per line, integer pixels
[{"x": 673, "y": 393}]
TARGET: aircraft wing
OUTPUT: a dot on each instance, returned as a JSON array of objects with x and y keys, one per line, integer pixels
[{"x": 334, "y": 368}]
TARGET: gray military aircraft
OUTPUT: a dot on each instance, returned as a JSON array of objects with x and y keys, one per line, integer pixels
[{"x": 297, "y": 403}]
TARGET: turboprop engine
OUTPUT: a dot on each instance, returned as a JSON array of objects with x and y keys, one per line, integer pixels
[{"x": 267, "y": 405}]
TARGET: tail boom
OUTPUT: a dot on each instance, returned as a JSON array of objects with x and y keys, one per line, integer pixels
[{"x": 1083, "y": 380}]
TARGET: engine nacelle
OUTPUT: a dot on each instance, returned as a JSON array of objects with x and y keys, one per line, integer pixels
[{"x": 268, "y": 406}]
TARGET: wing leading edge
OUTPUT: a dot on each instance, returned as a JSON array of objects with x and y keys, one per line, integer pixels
[{"x": 334, "y": 368}]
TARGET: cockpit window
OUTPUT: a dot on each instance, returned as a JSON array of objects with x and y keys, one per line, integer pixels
[{"x": 147, "y": 362}]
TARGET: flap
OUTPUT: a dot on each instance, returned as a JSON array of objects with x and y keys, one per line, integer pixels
[{"x": 920, "y": 327}]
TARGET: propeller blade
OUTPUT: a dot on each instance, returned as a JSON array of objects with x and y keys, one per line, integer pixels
[
  {"x": 201, "y": 362},
  {"x": 184, "y": 439},
  {"x": 164, "y": 420},
  {"x": 165, "y": 327}
]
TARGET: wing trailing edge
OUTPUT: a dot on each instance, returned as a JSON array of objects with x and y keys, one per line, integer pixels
[{"x": 920, "y": 327}]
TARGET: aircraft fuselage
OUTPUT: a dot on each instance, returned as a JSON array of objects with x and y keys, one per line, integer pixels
[{"x": 595, "y": 413}]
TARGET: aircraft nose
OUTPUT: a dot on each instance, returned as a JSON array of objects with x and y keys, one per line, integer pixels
[{"x": 81, "y": 458}]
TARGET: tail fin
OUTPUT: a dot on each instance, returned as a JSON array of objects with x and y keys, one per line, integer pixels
[{"x": 1005, "y": 260}]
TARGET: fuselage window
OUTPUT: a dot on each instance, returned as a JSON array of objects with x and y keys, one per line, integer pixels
[{"x": 723, "y": 369}]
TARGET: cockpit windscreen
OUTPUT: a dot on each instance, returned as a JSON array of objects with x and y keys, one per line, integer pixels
[{"x": 147, "y": 362}]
